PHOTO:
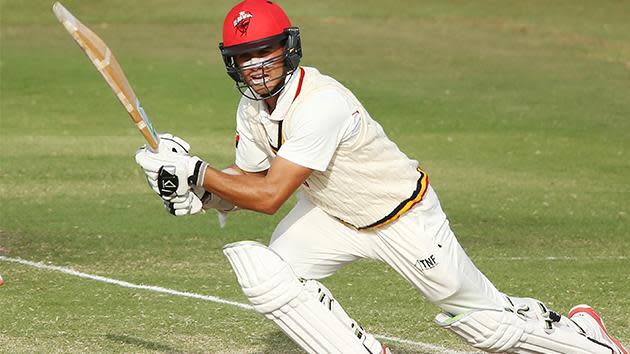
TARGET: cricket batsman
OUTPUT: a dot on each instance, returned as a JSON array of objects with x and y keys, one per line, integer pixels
[{"x": 359, "y": 196}]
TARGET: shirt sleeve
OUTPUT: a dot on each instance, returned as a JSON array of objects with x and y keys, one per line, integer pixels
[
  {"x": 249, "y": 156},
  {"x": 318, "y": 127}
]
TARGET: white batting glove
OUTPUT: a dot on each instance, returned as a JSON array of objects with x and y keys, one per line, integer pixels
[
  {"x": 169, "y": 142},
  {"x": 212, "y": 201},
  {"x": 178, "y": 198},
  {"x": 188, "y": 204},
  {"x": 171, "y": 174}
]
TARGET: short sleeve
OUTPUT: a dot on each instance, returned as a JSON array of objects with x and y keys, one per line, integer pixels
[
  {"x": 318, "y": 127},
  {"x": 249, "y": 156}
]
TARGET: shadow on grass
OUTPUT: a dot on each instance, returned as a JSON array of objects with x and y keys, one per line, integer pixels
[
  {"x": 121, "y": 338},
  {"x": 278, "y": 342}
]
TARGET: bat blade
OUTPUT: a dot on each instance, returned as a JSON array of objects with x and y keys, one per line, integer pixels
[{"x": 103, "y": 59}]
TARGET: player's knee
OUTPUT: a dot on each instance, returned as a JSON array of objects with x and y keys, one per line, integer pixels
[
  {"x": 293, "y": 257},
  {"x": 460, "y": 295},
  {"x": 448, "y": 294},
  {"x": 484, "y": 330},
  {"x": 318, "y": 323},
  {"x": 520, "y": 329},
  {"x": 302, "y": 260},
  {"x": 266, "y": 279}
]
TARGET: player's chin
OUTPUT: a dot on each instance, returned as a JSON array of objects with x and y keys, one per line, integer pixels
[{"x": 264, "y": 89}]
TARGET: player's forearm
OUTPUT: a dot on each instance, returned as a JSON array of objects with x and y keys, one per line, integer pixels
[
  {"x": 243, "y": 172},
  {"x": 248, "y": 191}
]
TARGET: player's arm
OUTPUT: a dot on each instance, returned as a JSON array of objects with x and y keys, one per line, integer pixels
[
  {"x": 240, "y": 171},
  {"x": 319, "y": 127},
  {"x": 264, "y": 191}
]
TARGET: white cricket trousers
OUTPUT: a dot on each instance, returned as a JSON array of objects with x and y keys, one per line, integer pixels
[{"x": 420, "y": 246}]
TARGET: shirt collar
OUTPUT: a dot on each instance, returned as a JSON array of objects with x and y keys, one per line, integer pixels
[{"x": 288, "y": 95}]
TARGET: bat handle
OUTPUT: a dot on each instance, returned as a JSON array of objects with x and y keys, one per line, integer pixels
[{"x": 146, "y": 127}]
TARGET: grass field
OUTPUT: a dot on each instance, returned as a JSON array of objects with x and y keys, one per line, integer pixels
[{"x": 519, "y": 111}]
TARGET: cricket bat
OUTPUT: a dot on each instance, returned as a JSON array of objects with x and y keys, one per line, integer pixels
[{"x": 103, "y": 59}]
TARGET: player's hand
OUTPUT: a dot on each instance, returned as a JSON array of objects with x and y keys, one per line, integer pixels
[
  {"x": 170, "y": 142},
  {"x": 188, "y": 204},
  {"x": 182, "y": 201},
  {"x": 171, "y": 174},
  {"x": 212, "y": 201}
]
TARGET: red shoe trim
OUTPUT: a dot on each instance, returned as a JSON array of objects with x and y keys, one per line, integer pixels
[{"x": 597, "y": 318}]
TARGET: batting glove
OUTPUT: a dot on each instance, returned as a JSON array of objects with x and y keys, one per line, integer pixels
[
  {"x": 171, "y": 174},
  {"x": 168, "y": 143},
  {"x": 212, "y": 201},
  {"x": 188, "y": 204}
]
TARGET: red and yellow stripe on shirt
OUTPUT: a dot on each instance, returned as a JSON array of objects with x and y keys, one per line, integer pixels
[
  {"x": 280, "y": 139},
  {"x": 297, "y": 93},
  {"x": 406, "y": 205}
]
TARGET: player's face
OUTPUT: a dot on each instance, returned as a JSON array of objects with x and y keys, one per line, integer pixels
[{"x": 262, "y": 69}]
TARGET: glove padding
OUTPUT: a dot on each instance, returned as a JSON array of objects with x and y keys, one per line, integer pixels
[
  {"x": 169, "y": 142},
  {"x": 212, "y": 201},
  {"x": 177, "y": 178},
  {"x": 188, "y": 204},
  {"x": 166, "y": 168},
  {"x": 171, "y": 174}
]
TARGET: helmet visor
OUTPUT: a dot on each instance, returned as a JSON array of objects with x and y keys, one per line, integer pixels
[
  {"x": 263, "y": 75},
  {"x": 252, "y": 46}
]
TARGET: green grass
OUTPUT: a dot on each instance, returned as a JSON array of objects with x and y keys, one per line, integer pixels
[{"x": 519, "y": 111}]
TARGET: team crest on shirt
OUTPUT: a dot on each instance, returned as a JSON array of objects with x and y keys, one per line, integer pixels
[{"x": 241, "y": 22}]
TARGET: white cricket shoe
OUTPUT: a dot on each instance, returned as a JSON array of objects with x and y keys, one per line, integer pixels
[{"x": 591, "y": 322}]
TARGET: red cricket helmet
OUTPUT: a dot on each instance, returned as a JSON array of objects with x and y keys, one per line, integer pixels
[
  {"x": 255, "y": 24},
  {"x": 253, "y": 20}
]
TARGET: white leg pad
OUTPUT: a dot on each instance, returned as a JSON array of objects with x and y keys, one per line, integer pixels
[
  {"x": 304, "y": 310},
  {"x": 525, "y": 329}
]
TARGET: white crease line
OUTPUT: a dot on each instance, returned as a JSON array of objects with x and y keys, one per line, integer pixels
[
  {"x": 124, "y": 283},
  {"x": 159, "y": 289},
  {"x": 423, "y": 346}
]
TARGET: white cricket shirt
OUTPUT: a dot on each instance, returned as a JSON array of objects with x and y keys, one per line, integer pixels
[
  {"x": 359, "y": 175},
  {"x": 320, "y": 125}
]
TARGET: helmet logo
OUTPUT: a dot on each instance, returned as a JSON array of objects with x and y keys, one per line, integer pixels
[{"x": 241, "y": 22}]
